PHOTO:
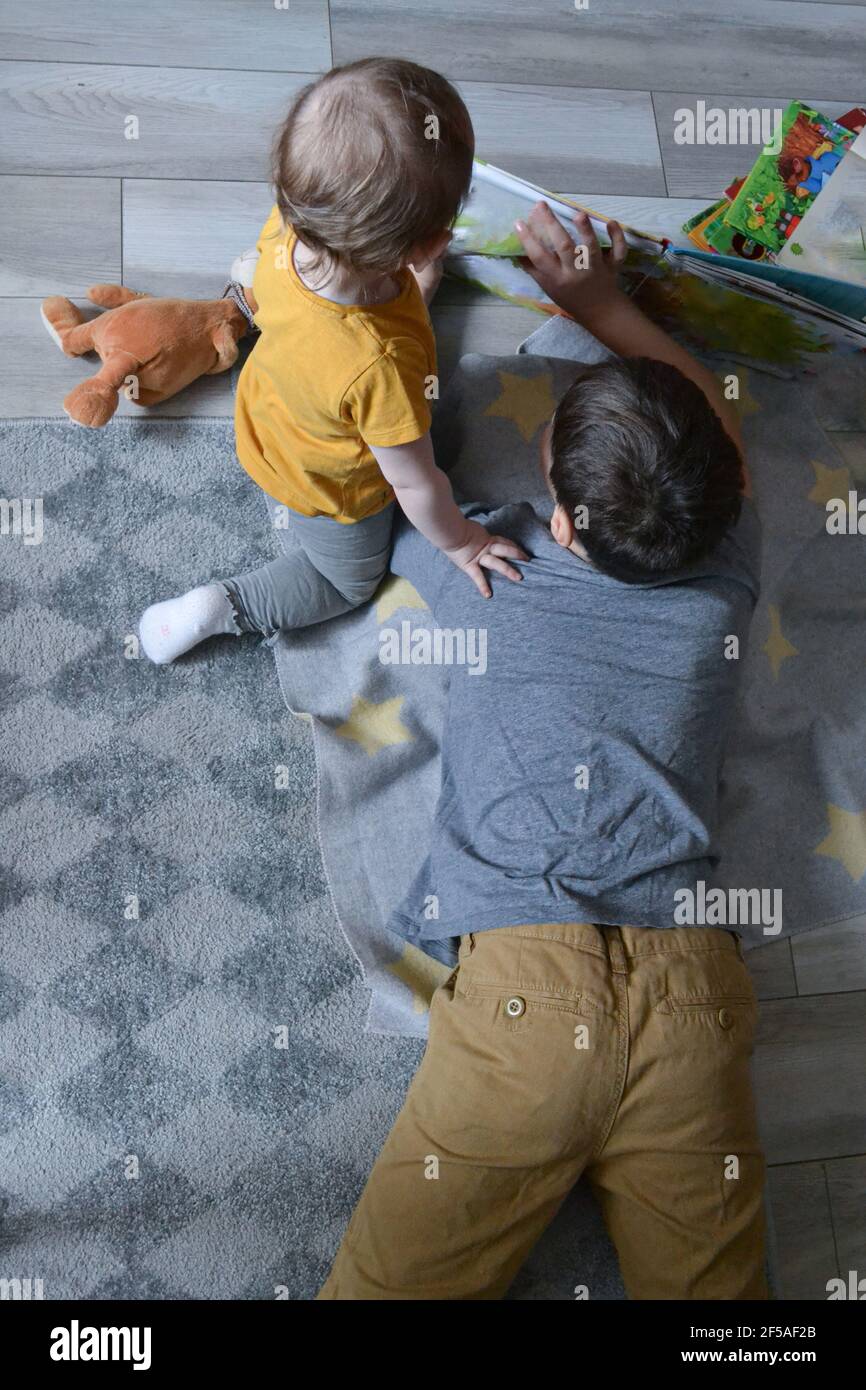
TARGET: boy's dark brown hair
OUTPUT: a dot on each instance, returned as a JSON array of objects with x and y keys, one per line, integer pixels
[
  {"x": 373, "y": 158},
  {"x": 639, "y": 446}
]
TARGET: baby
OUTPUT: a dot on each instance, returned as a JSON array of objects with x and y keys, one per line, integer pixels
[{"x": 332, "y": 417}]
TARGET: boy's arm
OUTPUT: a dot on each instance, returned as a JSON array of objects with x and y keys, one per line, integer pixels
[
  {"x": 591, "y": 295},
  {"x": 425, "y": 497}
]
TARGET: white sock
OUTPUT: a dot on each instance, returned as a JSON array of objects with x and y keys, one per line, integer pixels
[
  {"x": 244, "y": 268},
  {"x": 169, "y": 629}
]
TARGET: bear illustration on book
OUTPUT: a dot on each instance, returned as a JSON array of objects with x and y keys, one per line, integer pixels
[{"x": 808, "y": 156}]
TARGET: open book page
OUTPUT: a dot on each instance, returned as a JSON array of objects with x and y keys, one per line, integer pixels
[
  {"x": 783, "y": 294},
  {"x": 496, "y": 199},
  {"x": 831, "y": 238},
  {"x": 502, "y": 277},
  {"x": 717, "y": 303}
]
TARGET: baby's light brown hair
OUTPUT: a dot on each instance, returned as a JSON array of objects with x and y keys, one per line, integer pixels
[{"x": 373, "y": 159}]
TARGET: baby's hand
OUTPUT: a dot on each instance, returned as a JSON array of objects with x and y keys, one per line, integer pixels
[
  {"x": 480, "y": 551},
  {"x": 552, "y": 261}
]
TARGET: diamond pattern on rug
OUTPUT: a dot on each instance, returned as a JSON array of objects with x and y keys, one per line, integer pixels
[
  {"x": 189, "y": 1102},
  {"x": 163, "y": 911}
]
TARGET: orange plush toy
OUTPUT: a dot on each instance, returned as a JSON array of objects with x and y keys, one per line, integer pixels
[{"x": 153, "y": 347}]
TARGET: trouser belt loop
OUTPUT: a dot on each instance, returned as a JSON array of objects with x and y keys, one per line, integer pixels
[
  {"x": 466, "y": 947},
  {"x": 616, "y": 950}
]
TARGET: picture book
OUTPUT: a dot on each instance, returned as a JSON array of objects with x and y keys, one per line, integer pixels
[
  {"x": 831, "y": 238},
  {"x": 785, "y": 181},
  {"x": 733, "y": 303},
  {"x": 695, "y": 228},
  {"x": 486, "y": 250},
  {"x": 829, "y": 312},
  {"x": 496, "y": 199},
  {"x": 722, "y": 237},
  {"x": 711, "y": 231},
  {"x": 854, "y": 119}
]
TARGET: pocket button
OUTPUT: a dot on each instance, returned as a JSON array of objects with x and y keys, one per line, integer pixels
[
  {"x": 515, "y": 1007},
  {"x": 726, "y": 1018}
]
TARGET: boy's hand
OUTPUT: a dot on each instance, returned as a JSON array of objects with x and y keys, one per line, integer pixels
[
  {"x": 480, "y": 551},
  {"x": 553, "y": 262},
  {"x": 592, "y": 297}
]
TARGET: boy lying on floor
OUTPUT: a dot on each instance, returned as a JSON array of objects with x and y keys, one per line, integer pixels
[{"x": 582, "y": 1031}]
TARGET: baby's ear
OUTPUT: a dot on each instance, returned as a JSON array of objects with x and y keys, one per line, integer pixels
[
  {"x": 431, "y": 249},
  {"x": 441, "y": 242}
]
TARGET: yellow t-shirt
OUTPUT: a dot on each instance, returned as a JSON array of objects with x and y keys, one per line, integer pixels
[{"x": 323, "y": 382}]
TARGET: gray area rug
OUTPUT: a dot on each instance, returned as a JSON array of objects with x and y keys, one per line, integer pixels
[{"x": 189, "y": 1102}]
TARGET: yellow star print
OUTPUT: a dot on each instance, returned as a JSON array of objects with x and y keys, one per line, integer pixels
[
  {"x": 777, "y": 646},
  {"x": 847, "y": 840},
  {"x": 375, "y": 726},
  {"x": 829, "y": 483},
  {"x": 421, "y": 973},
  {"x": 396, "y": 593},
  {"x": 525, "y": 400}
]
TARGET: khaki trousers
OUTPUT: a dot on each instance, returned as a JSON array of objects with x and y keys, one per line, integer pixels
[{"x": 621, "y": 1053}]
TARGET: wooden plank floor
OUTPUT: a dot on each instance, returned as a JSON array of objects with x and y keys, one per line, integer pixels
[{"x": 582, "y": 101}]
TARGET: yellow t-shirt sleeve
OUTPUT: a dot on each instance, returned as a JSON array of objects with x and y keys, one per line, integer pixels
[{"x": 387, "y": 403}]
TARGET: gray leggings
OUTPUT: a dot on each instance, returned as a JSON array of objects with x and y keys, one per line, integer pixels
[{"x": 333, "y": 569}]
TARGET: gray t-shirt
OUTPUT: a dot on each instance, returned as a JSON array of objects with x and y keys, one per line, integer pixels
[{"x": 580, "y": 771}]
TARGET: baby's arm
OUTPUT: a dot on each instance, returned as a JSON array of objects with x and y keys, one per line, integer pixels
[
  {"x": 425, "y": 497},
  {"x": 592, "y": 297}
]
